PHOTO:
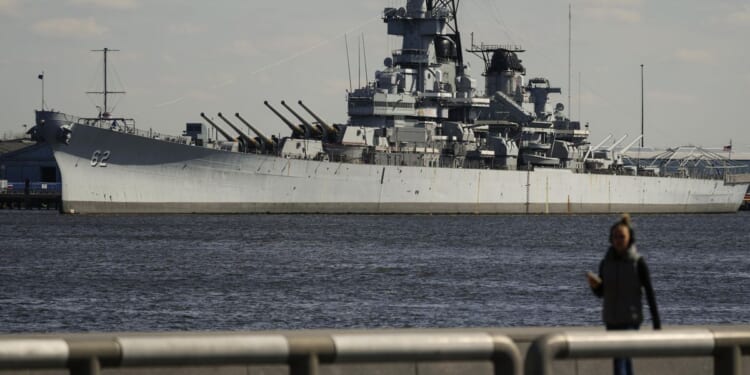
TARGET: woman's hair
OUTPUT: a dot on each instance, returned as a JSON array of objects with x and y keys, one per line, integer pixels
[{"x": 625, "y": 222}]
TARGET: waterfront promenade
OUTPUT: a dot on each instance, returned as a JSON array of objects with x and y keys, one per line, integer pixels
[{"x": 543, "y": 350}]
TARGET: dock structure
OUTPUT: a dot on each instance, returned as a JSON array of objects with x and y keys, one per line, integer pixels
[
  {"x": 51, "y": 201},
  {"x": 721, "y": 350},
  {"x": 28, "y": 196}
]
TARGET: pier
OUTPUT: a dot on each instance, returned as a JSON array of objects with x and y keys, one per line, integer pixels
[
  {"x": 35, "y": 195},
  {"x": 721, "y": 350}
]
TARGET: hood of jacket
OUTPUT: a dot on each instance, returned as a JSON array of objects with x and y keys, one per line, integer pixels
[{"x": 631, "y": 254}]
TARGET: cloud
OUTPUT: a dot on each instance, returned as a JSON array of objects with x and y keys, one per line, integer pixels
[
  {"x": 224, "y": 83},
  {"x": 245, "y": 48},
  {"x": 739, "y": 17},
  {"x": 170, "y": 102},
  {"x": 695, "y": 56},
  {"x": 168, "y": 58},
  {"x": 111, "y": 4},
  {"x": 185, "y": 29},
  {"x": 613, "y": 14},
  {"x": 335, "y": 86},
  {"x": 283, "y": 47},
  {"x": 69, "y": 27},
  {"x": 10, "y": 8},
  {"x": 624, "y": 11},
  {"x": 201, "y": 96},
  {"x": 668, "y": 97}
]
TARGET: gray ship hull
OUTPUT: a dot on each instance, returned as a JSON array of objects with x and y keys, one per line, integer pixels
[{"x": 106, "y": 171}]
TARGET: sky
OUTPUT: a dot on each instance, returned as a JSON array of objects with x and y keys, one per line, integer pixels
[{"x": 178, "y": 58}]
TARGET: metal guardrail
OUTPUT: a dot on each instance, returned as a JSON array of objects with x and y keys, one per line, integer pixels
[
  {"x": 725, "y": 346},
  {"x": 303, "y": 353}
]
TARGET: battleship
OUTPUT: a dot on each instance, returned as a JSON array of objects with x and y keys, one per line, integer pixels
[{"x": 421, "y": 138}]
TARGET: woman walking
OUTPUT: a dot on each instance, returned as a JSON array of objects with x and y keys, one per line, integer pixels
[{"x": 623, "y": 276}]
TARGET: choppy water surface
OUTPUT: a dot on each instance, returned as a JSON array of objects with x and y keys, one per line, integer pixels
[{"x": 240, "y": 272}]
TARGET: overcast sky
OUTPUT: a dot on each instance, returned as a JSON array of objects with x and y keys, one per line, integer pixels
[{"x": 181, "y": 57}]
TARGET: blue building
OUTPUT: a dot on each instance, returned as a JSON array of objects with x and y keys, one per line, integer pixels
[{"x": 22, "y": 160}]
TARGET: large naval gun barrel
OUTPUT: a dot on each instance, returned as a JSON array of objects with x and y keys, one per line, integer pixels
[
  {"x": 612, "y": 147},
  {"x": 220, "y": 130},
  {"x": 248, "y": 141},
  {"x": 328, "y": 128},
  {"x": 592, "y": 149},
  {"x": 626, "y": 148},
  {"x": 314, "y": 131},
  {"x": 268, "y": 141},
  {"x": 295, "y": 129}
]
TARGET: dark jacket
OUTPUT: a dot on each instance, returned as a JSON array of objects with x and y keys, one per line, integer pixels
[{"x": 623, "y": 280}]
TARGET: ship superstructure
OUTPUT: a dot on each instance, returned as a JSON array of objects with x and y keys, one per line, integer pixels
[
  {"x": 420, "y": 138},
  {"x": 424, "y": 108}
]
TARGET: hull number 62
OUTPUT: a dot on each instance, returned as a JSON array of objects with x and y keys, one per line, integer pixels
[{"x": 99, "y": 158}]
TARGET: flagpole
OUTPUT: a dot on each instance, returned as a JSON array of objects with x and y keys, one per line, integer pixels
[
  {"x": 643, "y": 139},
  {"x": 41, "y": 77}
]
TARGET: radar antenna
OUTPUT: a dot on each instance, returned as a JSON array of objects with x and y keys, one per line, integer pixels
[{"x": 105, "y": 110}]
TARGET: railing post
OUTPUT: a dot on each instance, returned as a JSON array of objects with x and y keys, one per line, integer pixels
[
  {"x": 306, "y": 353},
  {"x": 307, "y": 365},
  {"x": 92, "y": 366},
  {"x": 728, "y": 351},
  {"x": 728, "y": 360},
  {"x": 86, "y": 357},
  {"x": 506, "y": 358},
  {"x": 543, "y": 351}
]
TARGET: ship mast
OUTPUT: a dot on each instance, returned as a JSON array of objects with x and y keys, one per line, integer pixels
[
  {"x": 104, "y": 112},
  {"x": 452, "y": 5}
]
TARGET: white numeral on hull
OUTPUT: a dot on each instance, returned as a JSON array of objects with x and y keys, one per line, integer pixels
[{"x": 100, "y": 158}]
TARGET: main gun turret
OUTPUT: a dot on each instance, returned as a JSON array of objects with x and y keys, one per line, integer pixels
[
  {"x": 248, "y": 141},
  {"x": 297, "y": 132},
  {"x": 218, "y": 128},
  {"x": 314, "y": 131},
  {"x": 269, "y": 143},
  {"x": 330, "y": 130}
]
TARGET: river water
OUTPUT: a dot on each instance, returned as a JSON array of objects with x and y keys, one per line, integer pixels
[{"x": 62, "y": 273}]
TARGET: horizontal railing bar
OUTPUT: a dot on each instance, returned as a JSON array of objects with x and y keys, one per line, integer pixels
[
  {"x": 412, "y": 346},
  {"x": 33, "y": 353},
  {"x": 302, "y": 352},
  {"x": 230, "y": 349},
  {"x": 635, "y": 343},
  {"x": 724, "y": 346}
]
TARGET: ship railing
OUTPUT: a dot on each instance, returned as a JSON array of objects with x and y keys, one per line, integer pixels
[
  {"x": 127, "y": 126},
  {"x": 692, "y": 162},
  {"x": 150, "y": 133},
  {"x": 109, "y": 122},
  {"x": 494, "y": 47}
]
